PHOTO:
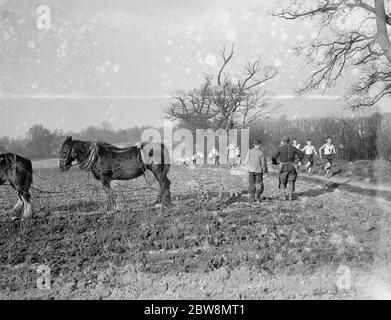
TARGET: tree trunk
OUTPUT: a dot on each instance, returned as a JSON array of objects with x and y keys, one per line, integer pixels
[{"x": 382, "y": 32}]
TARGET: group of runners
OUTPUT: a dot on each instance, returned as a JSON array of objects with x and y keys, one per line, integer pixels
[
  {"x": 326, "y": 153},
  {"x": 288, "y": 156},
  {"x": 233, "y": 153},
  {"x": 233, "y": 157}
]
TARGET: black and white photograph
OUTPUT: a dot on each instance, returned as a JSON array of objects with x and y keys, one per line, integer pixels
[{"x": 195, "y": 150}]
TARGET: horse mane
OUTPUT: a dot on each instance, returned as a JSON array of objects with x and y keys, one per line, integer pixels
[{"x": 91, "y": 158}]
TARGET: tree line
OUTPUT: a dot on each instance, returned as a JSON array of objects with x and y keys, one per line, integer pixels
[
  {"x": 42, "y": 143},
  {"x": 359, "y": 138}
]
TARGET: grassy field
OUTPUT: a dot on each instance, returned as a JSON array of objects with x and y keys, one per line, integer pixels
[{"x": 328, "y": 244}]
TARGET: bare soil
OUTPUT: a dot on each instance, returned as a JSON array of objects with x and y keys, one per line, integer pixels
[{"x": 217, "y": 249}]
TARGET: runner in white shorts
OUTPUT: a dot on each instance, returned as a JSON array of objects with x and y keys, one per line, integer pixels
[
  {"x": 309, "y": 151},
  {"x": 329, "y": 151}
]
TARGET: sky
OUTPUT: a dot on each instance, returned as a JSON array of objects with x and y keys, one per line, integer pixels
[{"x": 121, "y": 60}]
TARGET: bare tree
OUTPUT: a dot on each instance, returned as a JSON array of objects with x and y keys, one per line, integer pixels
[
  {"x": 193, "y": 108},
  {"x": 335, "y": 50},
  {"x": 224, "y": 100}
]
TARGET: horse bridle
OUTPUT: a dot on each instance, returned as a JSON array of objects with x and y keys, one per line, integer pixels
[
  {"x": 13, "y": 162},
  {"x": 79, "y": 162},
  {"x": 67, "y": 155},
  {"x": 65, "y": 159}
]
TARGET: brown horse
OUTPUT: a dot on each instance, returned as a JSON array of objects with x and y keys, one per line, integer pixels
[
  {"x": 18, "y": 172},
  {"x": 107, "y": 163}
]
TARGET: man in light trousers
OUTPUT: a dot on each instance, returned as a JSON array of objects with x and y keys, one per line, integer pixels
[{"x": 257, "y": 166}]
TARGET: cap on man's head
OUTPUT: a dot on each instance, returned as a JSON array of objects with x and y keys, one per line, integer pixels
[
  {"x": 286, "y": 139},
  {"x": 257, "y": 142}
]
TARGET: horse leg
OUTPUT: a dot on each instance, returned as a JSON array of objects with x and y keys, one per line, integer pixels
[
  {"x": 166, "y": 184},
  {"x": 28, "y": 211},
  {"x": 160, "y": 172},
  {"x": 283, "y": 193},
  {"x": 110, "y": 194},
  {"x": 155, "y": 170},
  {"x": 19, "y": 205}
]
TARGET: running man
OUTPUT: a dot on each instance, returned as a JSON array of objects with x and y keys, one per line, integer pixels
[
  {"x": 200, "y": 158},
  {"x": 309, "y": 151},
  {"x": 232, "y": 154},
  {"x": 287, "y": 173},
  {"x": 295, "y": 144},
  {"x": 194, "y": 158},
  {"x": 237, "y": 153},
  {"x": 329, "y": 151},
  {"x": 214, "y": 154}
]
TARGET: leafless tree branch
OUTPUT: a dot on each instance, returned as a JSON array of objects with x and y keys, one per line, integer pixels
[
  {"x": 360, "y": 48},
  {"x": 241, "y": 101}
]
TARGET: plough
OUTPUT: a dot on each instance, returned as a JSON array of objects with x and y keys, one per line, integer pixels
[{"x": 204, "y": 193}]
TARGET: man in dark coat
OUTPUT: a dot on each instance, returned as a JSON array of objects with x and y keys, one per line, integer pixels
[{"x": 287, "y": 154}]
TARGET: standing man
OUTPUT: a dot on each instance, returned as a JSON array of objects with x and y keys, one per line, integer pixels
[
  {"x": 256, "y": 162},
  {"x": 287, "y": 173},
  {"x": 329, "y": 151}
]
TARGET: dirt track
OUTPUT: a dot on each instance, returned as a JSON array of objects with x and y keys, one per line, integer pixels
[{"x": 217, "y": 249}]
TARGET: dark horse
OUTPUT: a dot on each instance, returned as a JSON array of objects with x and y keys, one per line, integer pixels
[
  {"x": 107, "y": 163},
  {"x": 18, "y": 172}
]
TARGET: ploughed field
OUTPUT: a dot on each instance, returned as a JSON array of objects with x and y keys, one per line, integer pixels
[{"x": 221, "y": 248}]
